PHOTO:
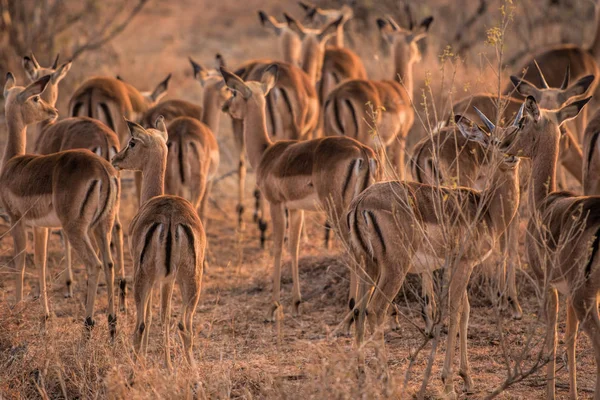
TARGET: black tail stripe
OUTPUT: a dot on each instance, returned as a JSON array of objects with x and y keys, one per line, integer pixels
[
  {"x": 107, "y": 202},
  {"x": 190, "y": 236},
  {"x": 367, "y": 178},
  {"x": 348, "y": 178},
  {"x": 76, "y": 109},
  {"x": 87, "y": 197},
  {"x": 595, "y": 246},
  {"x": 147, "y": 240},
  {"x": 353, "y": 111},
  {"x": 168, "y": 249},
  {"x": 288, "y": 103},
  {"x": 377, "y": 230},
  {"x": 361, "y": 242},
  {"x": 417, "y": 166},
  {"x": 592, "y": 146},
  {"x": 180, "y": 154},
  {"x": 338, "y": 121},
  {"x": 271, "y": 108},
  {"x": 89, "y": 98},
  {"x": 109, "y": 121}
]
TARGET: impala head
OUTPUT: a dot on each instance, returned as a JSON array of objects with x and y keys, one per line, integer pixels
[
  {"x": 24, "y": 105},
  {"x": 537, "y": 127},
  {"x": 211, "y": 80},
  {"x": 320, "y": 17},
  {"x": 158, "y": 93},
  {"x": 289, "y": 42},
  {"x": 245, "y": 94},
  {"x": 34, "y": 72},
  {"x": 404, "y": 41},
  {"x": 313, "y": 44},
  {"x": 472, "y": 131},
  {"x": 552, "y": 98},
  {"x": 144, "y": 145}
]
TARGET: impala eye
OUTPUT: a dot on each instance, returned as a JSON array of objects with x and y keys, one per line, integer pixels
[
  {"x": 131, "y": 144},
  {"x": 36, "y": 99}
]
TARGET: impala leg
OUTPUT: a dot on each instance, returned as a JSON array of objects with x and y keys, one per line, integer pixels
[
  {"x": 19, "y": 235},
  {"x": 68, "y": 265},
  {"x": 103, "y": 236},
  {"x": 148, "y": 323},
  {"x": 327, "y": 235},
  {"x": 138, "y": 186},
  {"x": 296, "y": 221},
  {"x": 429, "y": 305},
  {"x": 241, "y": 185},
  {"x": 571, "y": 339},
  {"x": 398, "y": 151},
  {"x": 117, "y": 237},
  {"x": 465, "y": 369},
  {"x": 204, "y": 204},
  {"x": 278, "y": 218},
  {"x": 190, "y": 294},
  {"x": 586, "y": 309},
  {"x": 459, "y": 278},
  {"x": 262, "y": 222},
  {"x": 142, "y": 290},
  {"x": 40, "y": 238},
  {"x": 511, "y": 271},
  {"x": 167, "y": 294},
  {"x": 551, "y": 322}
]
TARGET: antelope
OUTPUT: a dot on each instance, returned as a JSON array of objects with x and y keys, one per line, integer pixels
[
  {"x": 591, "y": 183},
  {"x": 171, "y": 109},
  {"x": 344, "y": 108},
  {"x": 301, "y": 176},
  {"x": 323, "y": 17},
  {"x": 399, "y": 227},
  {"x": 582, "y": 60},
  {"x": 290, "y": 44},
  {"x": 166, "y": 241},
  {"x": 572, "y": 269},
  {"x": 70, "y": 134},
  {"x": 74, "y": 190}
]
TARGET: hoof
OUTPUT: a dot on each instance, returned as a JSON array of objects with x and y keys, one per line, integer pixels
[
  {"x": 275, "y": 311},
  {"x": 297, "y": 309}
]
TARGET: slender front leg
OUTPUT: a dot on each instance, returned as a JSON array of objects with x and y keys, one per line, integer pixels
[
  {"x": 296, "y": 220},
  {"x": 118, "y": 241},
  {"x": 262, "y": 222},
  {"x": 238, "y": 133},
  {"x": 513, "y": 261},
  {"x": 465, "y": 369},
  {"x": 167, "y": 293},
  {"x": 429, "y": 305},
  {"x": 19, "y": 235},
  {"x": 68, "y": 265},
  {"x": 278, "y": 218},
  {"x": 551, "y": 322},
  {"x": 571, "y": 339},
  {"x": 141, "y": 292},
  {"x": 103, "y": 236},
  {"x": 40, "y": 238}
]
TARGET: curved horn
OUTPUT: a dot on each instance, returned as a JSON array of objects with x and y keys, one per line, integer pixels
[
  {"x": 55, "y": 65},
  {"x": 485, "y": 120},
  {"x": 519, "y": 115},
  {"x": 543, "y": 82},
  {"x": 565, "y": 82},
  {"x": 393, "y": 23}
]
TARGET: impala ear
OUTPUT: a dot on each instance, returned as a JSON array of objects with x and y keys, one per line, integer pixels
[
  {"x": 31, "y": 68},
  {"x": 525, "y": 88},
  {"x": 295, "y": 26},
  {"x": 579, "y": 87},
  {"x": 34, "y": 89},
  {"x": 137, "y": 131},
  {"x": 570, "y": 111},
  {"x": 220, "y": 60},
  {"x": 161, "y": 127},
  {"x": 330, "y": 29},
  {"x": 386, "y": 29},
  {"x": 471, "y": 131},
  {"x": 161, "y": 89},
  {"x": 269, "y": 78},
  {"x": 269, "y": 22},
  {"x": 55, "y": 63},
  {"x": 200, "y": 72},
  {"x": 532, "y": 109},
  {"x": 61, "y": 72},
  {"x": 10, "y": 83},
  {"x": 236, "y": 83}
]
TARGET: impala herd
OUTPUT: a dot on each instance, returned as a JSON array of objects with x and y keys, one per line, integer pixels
[{"x": 318, "y": 132}]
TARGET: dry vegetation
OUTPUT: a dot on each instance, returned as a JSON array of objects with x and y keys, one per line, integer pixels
[{"x": 239, "y": 355}]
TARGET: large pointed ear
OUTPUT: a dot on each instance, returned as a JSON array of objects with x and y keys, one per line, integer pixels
[
  {"x": 55, "y": 63},
  {"x": 330, "y": 29},
  {"x": 161, "y": 89},
  {"x": 310, "y": 10},
  {"x": 31, "y": 68},
  {"x": 199, "y": 71},
  {"x": 10, "y": 83},
  {"x": 295, "y": 26},
  {"x": 234, "y": 82},
  {"x": 570, "y": 111},
  {"x": 34, "y": 89},
  {"x": 269, "y": 22},
  {"x": 532, "y": 109},
  {"x": 220, "y": 60},
  {"x": 471, "y": 131},
  {"x": 161, "y": 127},
  {"x": 137, "y": 131},
  {"x": 524, "y": 87},
  {"x": 269, "y": 78},
  {"x": 579, "y": 87},
  {"x": 420, "y": 31},
  {"x": 386, "y": 29},
  {"x": 61, "y": 72}
]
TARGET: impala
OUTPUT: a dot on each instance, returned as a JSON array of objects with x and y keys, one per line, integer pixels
[
  {"x": 323, "y": 173},
  {"x": 166, "y": 241}
]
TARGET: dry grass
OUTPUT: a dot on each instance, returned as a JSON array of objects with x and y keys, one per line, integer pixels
[{"x": 239, "y": 355}]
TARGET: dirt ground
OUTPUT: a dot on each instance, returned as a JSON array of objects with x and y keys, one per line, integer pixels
[{"x": 240, "y": 355}]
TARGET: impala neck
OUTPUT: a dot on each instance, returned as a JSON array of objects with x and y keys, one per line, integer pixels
[
  {"x": 153, "y": 179},
  {"x": 255, "y": 132},
  {"x": 543, "y": 172},
  {"x": 290, "y": 47},
  {"x": 17, "y": 140},
  {"x": 503, "y": 196},
  {"x": 310, "y": 59},
  {"x": 339, "y": 36},
  {"x": 403, "y": 73},
  {"x": 212, "y": 111},
  {"x": 595, "y": 47}
]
